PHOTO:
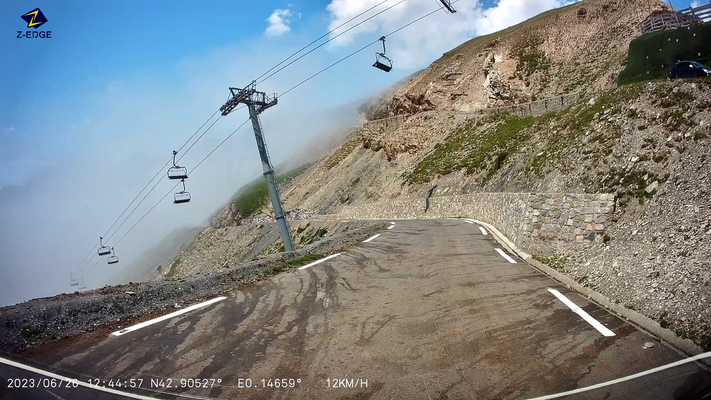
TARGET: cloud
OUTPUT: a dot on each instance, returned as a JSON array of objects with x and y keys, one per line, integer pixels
[
  {"x": 72, "y": 187},
  {"x": 695, "y": 3},
  {"x": 420, "y": 43},
  {"x": 278, "y": 23}
]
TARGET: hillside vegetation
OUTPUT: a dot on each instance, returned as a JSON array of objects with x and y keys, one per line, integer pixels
[
  {"x": 647, "y": 143},
  {"x": 652, "y": 56},
  {"x": 252, "y": 197}
]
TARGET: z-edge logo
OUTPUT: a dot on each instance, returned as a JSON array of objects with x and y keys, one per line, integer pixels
[{"x": 35, "y": 18}]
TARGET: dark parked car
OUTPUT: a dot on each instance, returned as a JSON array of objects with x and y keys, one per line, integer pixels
[{"x": 689, "y": 69}]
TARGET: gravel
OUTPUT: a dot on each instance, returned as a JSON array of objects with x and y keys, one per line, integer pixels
[{"x": 43, "y": 320}]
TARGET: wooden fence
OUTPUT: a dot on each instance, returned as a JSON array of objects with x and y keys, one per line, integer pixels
[
  {"x": 701, "y": 12},
  {"x": 676, "y": 19}
]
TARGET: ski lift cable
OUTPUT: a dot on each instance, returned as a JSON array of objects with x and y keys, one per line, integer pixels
[
  {"x": 265, "y": 73},
  {"x": 176, "y": 185},
  {"x": 360, "y": 49},
  {"x": 156, "y": 184},
  {"x": 171, "y": 190},
  {"x": 146, "y": 195},
  {"x": 331, "y": 39},
  {"x": 160, "y": 171},
  {"x": 319, "y": 38},
  {"x": 294, "y": 87},
  {"x": 283, "y": 94},
  {"x": 197, "y": 140}
]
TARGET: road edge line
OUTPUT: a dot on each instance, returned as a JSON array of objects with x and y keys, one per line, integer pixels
[
  {"x": 582, "y": 313},
  {"x": 683, "y": 346},
  {"x": 371, "y": 238},
  {"x": 78, "y": 381},
  {"x": 174, "y": 314},
  {"x": 320, "y": 261},
  {"x": 624, "y": 378},
  {"x": 505, "y": 256}
]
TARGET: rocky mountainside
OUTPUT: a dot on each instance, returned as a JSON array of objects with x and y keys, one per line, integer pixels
[
  {"x": 571, "y": 49},
  {"x": 648, "y": 144}
]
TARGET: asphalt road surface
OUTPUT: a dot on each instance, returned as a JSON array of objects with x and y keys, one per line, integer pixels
[{"x": 427, "y": 310}]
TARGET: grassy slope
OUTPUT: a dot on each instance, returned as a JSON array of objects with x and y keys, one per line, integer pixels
[
  {"x": 484, "y": 146},
  {"x": 473, "y": 149},
  {"x": 254, "y": 195},
  {"x": 675, "y": 45}
]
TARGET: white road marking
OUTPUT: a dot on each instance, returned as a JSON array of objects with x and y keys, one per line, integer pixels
[
  {"x": 506, "y": 256},
  {"x": 483, "y": 231},
  {"x": 320, "y": 261},
  {"x": 625, "y": 378},
  {"x": 167, "y": 316},
  {"x": 592, "y": 321},
  {"x": 372, "y": 238},
  {"x": 77, "y": 381},
  {"x": 391, "y": 226},
  {"x": 468, "y": 222},
  {"x": 392, "y": 222}
]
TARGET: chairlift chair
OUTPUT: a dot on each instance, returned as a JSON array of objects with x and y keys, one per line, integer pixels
[
  {"x": 447, "y": 5},
  {"x": 177, "y": 172},
  {"x": 183, "y": 196},
  {"x": 113, "y": 259},
  {"x": 72, "y": 281},
  {"x": 103, "y": 250},
  {"x": 382, "y": 62}
]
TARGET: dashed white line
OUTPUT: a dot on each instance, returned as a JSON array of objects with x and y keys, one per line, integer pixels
[
  {"x": 320, "y": 261},
  {"x": 483, "y": 231},
  {"x": 625, "y": 378},
  {"x": 506, "y": 256},
  {"x": 167, "y": 316},
  {"x": 391, "y": 226},
  {"x": 371, "y": 238},
  {"x": 592, "y": 321},
  {"x": 468, "y": 222}
]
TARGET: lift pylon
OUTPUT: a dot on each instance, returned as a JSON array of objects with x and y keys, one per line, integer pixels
[{"x": 257, "y": 102}]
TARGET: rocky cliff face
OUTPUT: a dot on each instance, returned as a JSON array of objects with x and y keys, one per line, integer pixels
[{"x": 577, "y": 48}]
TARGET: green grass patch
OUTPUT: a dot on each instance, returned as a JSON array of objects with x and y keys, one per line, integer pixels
[
  {"x": 531, "y": 61},
  {"x": 474, "y": 149},
  {"x": 251, "y": 197},
  {"x": 675, "y": 45},
  {"x": 572, "y": 123},
  {"x": 291, "y": 264},
  {"x": 556, "y": 262},
  {"x": 174, "y": 266}
]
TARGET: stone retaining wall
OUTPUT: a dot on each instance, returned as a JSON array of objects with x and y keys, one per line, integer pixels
[{"x": 536, "y": 222}]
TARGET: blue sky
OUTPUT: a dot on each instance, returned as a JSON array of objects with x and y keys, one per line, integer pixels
[{"x": 87, "y": 116}]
